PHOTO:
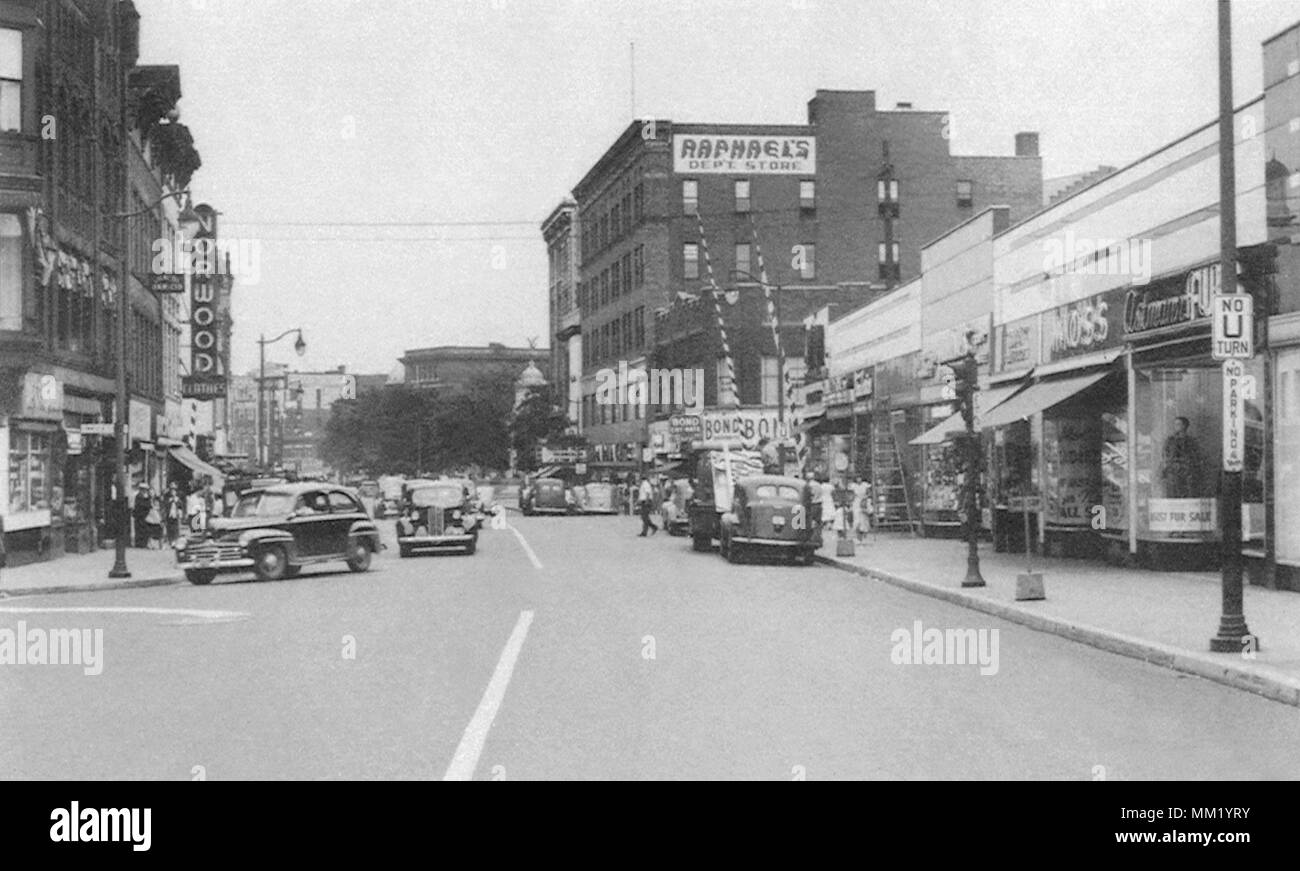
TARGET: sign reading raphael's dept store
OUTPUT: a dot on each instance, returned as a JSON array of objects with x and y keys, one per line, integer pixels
[{"x": 745, "y": 155}]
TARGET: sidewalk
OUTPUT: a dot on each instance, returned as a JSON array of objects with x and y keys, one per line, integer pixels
[
  {"x": 1166, "y": 618},
  {"x": 77, "y": 573}
]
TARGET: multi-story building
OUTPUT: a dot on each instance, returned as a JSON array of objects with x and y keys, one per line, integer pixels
[
  {"x": 560, "y": 232},
  {"x": 452, "y": 368},
  {"x": 840, "y": 204},
  {"x": 80, "y": 144}
]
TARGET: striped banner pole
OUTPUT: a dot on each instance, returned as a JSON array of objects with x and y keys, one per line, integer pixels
[
  {"x": 728, "y": 363},
  {"x": 791, "y": 405}
]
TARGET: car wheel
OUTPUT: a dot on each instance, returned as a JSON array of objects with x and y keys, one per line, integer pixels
[
  {"x": 701, "y": 543},
  {"x": 403, "y": 551},
  {"x": 359, "y": 556},
  {"x": 271, "y": 563},
  {"x": 735, "y": 555},
  {"x": 292, "y": 571},
  {"x": 200, "y": 576}
]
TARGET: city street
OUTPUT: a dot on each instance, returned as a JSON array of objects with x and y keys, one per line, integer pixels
[{"x": 577, "y": 650}]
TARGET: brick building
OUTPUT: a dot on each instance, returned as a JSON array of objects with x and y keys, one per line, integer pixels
[
  {"x": 560, "y": 233},
  {"x": 841, "y": 206},
  {"x": 117, "y": 148}
]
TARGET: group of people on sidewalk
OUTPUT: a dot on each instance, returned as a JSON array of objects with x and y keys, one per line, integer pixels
[
  {"x": 157, "y": 519},
  {"x": 660, "y": 497}
]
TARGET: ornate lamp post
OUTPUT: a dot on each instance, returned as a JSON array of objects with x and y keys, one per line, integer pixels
[{"x": 299, "y": 345}]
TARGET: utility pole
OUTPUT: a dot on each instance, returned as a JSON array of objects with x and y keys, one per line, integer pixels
[{"x": 1233, "y": 632}]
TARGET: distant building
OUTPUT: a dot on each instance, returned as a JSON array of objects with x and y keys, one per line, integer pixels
[{"x": 451, "y": 368}]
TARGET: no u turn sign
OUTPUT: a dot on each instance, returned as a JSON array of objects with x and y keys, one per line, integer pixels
[{"x": 1233, "y": 326}]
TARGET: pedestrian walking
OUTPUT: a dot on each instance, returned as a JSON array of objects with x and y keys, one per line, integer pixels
[
  {"x": 861, "y": 508},
  {"x": 645, "y": 504},
  {"x": 172, "y": 509},
  {"x": 139, "y": 512},
  {"x": 153, "y": 523}
]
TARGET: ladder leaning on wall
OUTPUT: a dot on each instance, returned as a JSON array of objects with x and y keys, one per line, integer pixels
[{"x": 894, "y": 509}]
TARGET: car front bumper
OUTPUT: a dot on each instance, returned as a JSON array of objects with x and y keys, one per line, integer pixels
[{"x": 448, "y": 540}]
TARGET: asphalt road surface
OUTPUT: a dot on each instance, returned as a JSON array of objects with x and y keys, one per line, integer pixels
[{"x": 570, "y": 648}]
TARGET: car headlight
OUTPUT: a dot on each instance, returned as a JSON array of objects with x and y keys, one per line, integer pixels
[
  {"x": 455, "y": 515},
  {"x": 181, "y": 543}
]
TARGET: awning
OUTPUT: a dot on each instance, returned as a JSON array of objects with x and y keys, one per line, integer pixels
[
  {"x": 808, "y": 424},
  {"x": 986, "y": 401},
  {"x": 1039, "y": 397},
  {"x": 188, "y": 458}
]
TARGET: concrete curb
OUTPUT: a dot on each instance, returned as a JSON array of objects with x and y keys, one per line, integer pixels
[
  {"x": 91, "y": 588},
  {"x": 1272, "y": 685}
]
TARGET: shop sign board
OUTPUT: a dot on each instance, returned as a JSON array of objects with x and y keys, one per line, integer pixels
[
  {"x": 748, "y": 425},
  {"x": 74, "y": 441},
  {"x": 744, "y": 155},
  {"x": 42, "y": 396},
  {"x": 1171, "y": 304},
  {"x": 1237, "y": 388},
  {"x": 1084, "y": 327},
  {"x": 687, "y": 426},
  {"x": 1017, "y": 344},
  {"x": 1183, "y": 515},
  {"x": 140, "y": 421},
  {"x": 1233, "y": 326},
  {"x": 97, "y": 429}
]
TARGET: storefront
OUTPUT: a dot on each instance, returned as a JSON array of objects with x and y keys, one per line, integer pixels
[
  {"x": 30, "y": 440},
  {"x": 1176, "y": 417}
]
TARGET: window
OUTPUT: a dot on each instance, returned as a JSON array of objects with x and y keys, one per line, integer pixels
[
  {"x": 604, "y": 342},
  {"x": 807, "y": 194},
  {"x": 725, "y": 385},
  {"x": 604, "y": 287},
  {"x": 11, "y": 79},
  {"x": 627, "y": 272},
  {"x": 771, "y": 384},
  {"x": 965, "y": 194},
  {"x": 640, "y": 327},
  {"x": 616, "y": 222},
  {"x": 638, "y": 202},
  {"x": 627, "y": 214},
  {"x": 887, "y": 197},
  {"x": 742, "y": 257},
  {"x": 638, "y": 265},
  {"x": 691, "y": 260},
  {"x": 627, "y": 332},
  {"x": 342, "y": 503},
  {"x": 806, "y": 260},
  {"x": 615, "y": 282},
  {"x": 887, "y": 255},
  {"x": 690, "y": 196},
  {"x": 604, "y": 232},
  {"x": 29, "y": 471},
  {"x": 615, "y": 338},
  {"x": 742, "y": 195},
  {"x": 11, "y": 272}
]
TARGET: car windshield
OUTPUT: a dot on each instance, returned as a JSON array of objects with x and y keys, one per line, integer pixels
[
  {"x": 263, "y": 505},
  {"x": 773, "y": 491},
  {"x": 440, "y": 497}
]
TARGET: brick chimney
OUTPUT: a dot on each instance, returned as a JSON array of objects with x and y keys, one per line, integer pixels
[{"x": 1026, "y": 145}]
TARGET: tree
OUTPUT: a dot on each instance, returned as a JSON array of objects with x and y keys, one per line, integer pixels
[{"x": 537, "y": 420}]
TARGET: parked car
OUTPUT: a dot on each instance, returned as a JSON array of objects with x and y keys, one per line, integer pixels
[
  {"x": 769, "y": 513},
  {"x": 596, "y": 497},
  {"x": 275, "y": 531},
  {"x": 437, "y": 515},
  {"x": 546, "y": 496}
]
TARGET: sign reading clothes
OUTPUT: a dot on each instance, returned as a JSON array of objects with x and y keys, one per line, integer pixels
[{"x": 744, "y": 155}]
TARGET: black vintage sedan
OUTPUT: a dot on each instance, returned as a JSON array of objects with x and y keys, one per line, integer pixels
[
  {"x": 437, "y": 515},
  {"x": 773, "y": 514},
  {"x": 277, "y": 530}
]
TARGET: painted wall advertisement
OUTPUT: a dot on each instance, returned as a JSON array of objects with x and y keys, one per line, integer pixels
[{"x": 746, "y": 155}]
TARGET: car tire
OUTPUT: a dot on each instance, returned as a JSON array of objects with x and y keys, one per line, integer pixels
[
  {"x": 200, "y": 577},
  {"x": 735, "y": 555},
  {"x": 271, "y": 563},
  {"x": 292, "y": 571},
  {"x": 403, "y": 551},
  {"x": 701, "y": 543},
  {"x": 359, "y": 555}
]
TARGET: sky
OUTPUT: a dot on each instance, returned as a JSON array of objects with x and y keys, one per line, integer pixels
[{"x": 391, "y": 162}]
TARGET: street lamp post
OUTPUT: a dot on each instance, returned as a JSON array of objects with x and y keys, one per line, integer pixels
[
  {"x": 966, "y": 380},
  {"x": 122, "y": 431},
  {"x": 299, "y": 345}
]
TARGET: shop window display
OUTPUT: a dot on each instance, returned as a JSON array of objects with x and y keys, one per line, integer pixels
[
  {"x": 1179, "y": 454},
  {"x": 943, "y": 479},
  {"x": 29, "y": 478}
]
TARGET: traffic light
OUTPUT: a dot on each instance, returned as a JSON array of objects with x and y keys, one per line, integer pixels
[{"x": 965, "y": 381}]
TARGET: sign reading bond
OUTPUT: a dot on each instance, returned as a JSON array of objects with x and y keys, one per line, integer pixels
[
  {"x": 746, "y": 155},
  {"x": 1234, "y": 326}
]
